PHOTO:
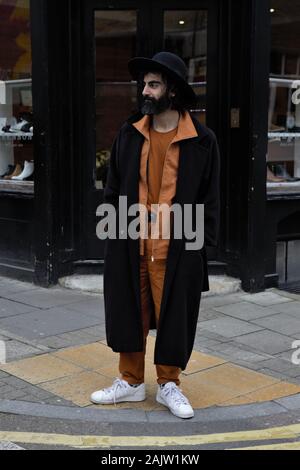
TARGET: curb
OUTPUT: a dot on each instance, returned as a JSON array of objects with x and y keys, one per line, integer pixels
[{"x": 164, "y": 419}]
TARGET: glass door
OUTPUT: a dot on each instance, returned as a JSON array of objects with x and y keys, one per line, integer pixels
[
  {"x": 115, "y": 33},
  {"x": 185, "y": 34},
  {"x": 115, "y": 45},
  {"x": 190, "y": 30}
]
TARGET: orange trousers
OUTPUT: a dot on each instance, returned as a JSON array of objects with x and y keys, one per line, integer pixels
[{"x": 132, "y": 365}]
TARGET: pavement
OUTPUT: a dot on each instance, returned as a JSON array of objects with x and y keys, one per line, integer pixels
[{"x": 241, "y": 377}]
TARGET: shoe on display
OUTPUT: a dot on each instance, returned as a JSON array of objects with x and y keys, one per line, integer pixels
[
  {"x": 6, "y": 129},
  {"x": 281, "y": 171},
  {"x": 26, "y": 127},
  {"x": 27, "y": 171},
  {"x": 172, "y": 397},
  {"x": 271, "y": 178},
  {"x": 18, "y": 126},
  {"x": 9, "y": 171},
  {"x": 18, "y": 170},
  {"x": 119, "y": 392},
  {"x": 275, "y": 128}
]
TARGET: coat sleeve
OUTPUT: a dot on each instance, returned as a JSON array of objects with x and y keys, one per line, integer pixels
[
  {"x": 112, "y": 188},
  {"x": 211, "y": 195}
]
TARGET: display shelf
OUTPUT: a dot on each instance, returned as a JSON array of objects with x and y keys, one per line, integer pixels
[
  {"x": 25, "y": 187},
  {"x": 284, "y": 135},
  {"x": 16, "y": 135}
]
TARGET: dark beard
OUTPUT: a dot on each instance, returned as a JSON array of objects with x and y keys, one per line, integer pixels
[{"x": 150, "y": 106}]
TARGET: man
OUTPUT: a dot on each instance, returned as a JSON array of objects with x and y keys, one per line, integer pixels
[{"x": 162, "y": 155}]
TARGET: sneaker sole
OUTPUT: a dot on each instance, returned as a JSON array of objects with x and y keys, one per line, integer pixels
[{"x": 162, "y": 402}]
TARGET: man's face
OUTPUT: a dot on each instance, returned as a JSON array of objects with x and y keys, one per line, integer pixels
[{"x": 155, "y": 99}]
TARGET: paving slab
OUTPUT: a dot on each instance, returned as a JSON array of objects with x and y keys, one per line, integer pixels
[
  {"x": 9, "y": 308},
  {"x": 40, "y": 369},
  {"x": 245, "y": 310},
  {"x": 266, "y": 341},
  {"x": 43, "y": 323},
  {"x": 17, "y": 350},
  {"x": 291, "y": 308},
  {"x": 267, "y": 298},
  {"x": 229, "y": 327},
  {"x": 237, "y": 353},
  {"x": 93, "y": 306},
  {"x": 281, "y": 323},
  {"x": 45, "y": 298}
]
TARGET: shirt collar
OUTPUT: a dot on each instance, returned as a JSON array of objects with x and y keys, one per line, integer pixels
[{"x": 186, "y": 128}]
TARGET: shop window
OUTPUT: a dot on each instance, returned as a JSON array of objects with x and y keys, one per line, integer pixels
[
  {"x": 16, "y": 118},
  {"x": 288, "y": 248},
  {"x": 287, "y": 265},
  {"x": 283, "y": 158},
  {"x": 115, "y": 44},
  {"x": 185, "y": 34}
]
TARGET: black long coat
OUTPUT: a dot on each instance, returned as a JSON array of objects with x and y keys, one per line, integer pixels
[{"x": 186, "y": 271}]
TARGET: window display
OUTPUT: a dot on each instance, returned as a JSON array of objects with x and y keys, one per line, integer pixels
[
  {"x": 283, "y": 158},
  {"x": 16, "y": 112}
]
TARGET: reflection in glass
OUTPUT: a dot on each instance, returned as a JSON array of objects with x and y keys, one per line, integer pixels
[
  {"x": 115, "y": 43},
  {"x": 186, "y": 36}
]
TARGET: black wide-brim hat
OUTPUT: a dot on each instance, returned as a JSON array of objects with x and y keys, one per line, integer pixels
[{"x": 169, "y": 64}]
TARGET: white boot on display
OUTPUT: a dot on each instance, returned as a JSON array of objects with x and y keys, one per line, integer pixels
[{"x": 28, "y": 171}]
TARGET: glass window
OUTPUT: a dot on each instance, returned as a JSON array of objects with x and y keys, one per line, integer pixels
[
  {"x": 283, "y": 159},
  {"x": 16, "y": 118},
  {"x": 185, "y": 34},
  {"x": 115, "y": 36}
]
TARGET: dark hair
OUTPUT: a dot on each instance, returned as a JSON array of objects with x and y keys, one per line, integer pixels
[{"x": 179, "y": 102}]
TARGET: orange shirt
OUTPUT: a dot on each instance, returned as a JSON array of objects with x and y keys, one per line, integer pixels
[
  {"x": 159, "y": 143},
  {"x": 162, "y": 180}
]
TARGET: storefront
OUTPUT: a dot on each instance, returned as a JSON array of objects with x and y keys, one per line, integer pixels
[{"x": 65, "y": 91}]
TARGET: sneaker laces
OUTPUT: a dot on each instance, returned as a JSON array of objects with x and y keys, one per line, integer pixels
[
  {"x": 176, "y": 394},
  {"x": 118, "y": 384}
]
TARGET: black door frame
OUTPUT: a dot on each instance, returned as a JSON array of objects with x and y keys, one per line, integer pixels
[
  {"x": 243, "y": 243},
  {"x": 54, "y": 87},
  {"x": 150, "y": 36}
]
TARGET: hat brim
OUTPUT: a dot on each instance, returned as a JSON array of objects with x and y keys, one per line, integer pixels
[{"x": 143, "y": 64}]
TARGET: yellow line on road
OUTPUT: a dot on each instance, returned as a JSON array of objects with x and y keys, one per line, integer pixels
[
  {"x": 106, "y": 442},
  {"x": 284, "y": 446}
]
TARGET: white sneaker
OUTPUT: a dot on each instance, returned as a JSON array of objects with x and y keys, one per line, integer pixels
[
  {"x": 172, "y": 397},
  {"x": 119, "y": 392}
]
